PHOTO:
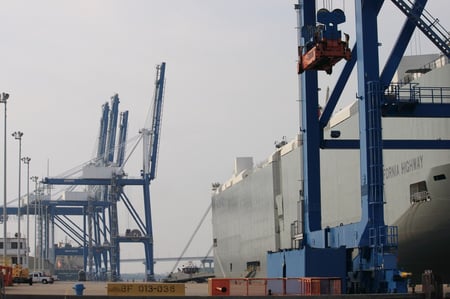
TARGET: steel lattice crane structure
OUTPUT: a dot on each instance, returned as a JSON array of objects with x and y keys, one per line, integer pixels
[
  {"x": 363, "y": 253},
  {"x": 105, "y": 179}
]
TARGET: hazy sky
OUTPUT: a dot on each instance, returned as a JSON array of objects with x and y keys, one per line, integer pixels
[{"x": 231, "y": 90}]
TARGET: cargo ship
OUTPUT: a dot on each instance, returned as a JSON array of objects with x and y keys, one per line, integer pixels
[{"x": 258, "y": 209}]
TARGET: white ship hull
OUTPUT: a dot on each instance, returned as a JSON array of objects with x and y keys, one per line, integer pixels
[{"x": 258, "y": 209}]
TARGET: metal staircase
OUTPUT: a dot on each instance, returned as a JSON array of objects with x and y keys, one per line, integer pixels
[{"x": 429, "y": 25}]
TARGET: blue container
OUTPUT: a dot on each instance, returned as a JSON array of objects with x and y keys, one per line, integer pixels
[{"x": 79, "y": 287}]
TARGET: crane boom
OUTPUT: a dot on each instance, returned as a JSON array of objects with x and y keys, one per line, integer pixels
[
  {"x": 103, "y": 131},
  {"x": 109, "y": 155},
  {"x": 122, "y": 138},
  {"x": 156, "y": 120}
]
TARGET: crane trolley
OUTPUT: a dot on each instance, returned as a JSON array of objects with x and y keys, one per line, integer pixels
[{"x": 324, "y": 46}]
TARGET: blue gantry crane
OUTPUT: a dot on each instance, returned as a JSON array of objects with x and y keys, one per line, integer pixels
[
  {"x": 98, "y": 237},
  {"x": 363, "y": 254}
]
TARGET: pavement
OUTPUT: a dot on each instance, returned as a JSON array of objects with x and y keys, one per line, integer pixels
[
  {"x": 91, "y": 288},
  {"x": 94, "y": 288}
]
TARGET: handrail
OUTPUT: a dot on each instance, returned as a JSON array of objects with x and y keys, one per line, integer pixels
[{"x": 398, "y": 92}]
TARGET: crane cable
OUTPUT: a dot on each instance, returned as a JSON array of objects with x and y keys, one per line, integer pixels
[{"x": 192, "y": 237}]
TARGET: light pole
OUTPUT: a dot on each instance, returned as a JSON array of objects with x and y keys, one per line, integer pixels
[
  {"x": 18, "y": 136},
  {"x": 35, "y": 180},
  {"x": 26, "y": 161},
  {"x": 3, "y": 99},
  {"x": 40, "y": 227}
]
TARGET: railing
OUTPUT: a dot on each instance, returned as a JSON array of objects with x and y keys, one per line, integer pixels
[
  {"x": 274, "y": 286},
  {"x": 389, "y": 235},
  {"x": 412, "y": 93},
  {"x": 383, "y": 236}
]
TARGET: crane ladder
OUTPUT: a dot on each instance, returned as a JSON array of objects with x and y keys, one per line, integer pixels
[{"x": 427, "y": 24}]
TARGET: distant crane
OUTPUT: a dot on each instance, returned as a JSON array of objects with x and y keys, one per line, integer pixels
[
  {"x": 149, "y": 170},
  {"x": 106, "y": 180}
]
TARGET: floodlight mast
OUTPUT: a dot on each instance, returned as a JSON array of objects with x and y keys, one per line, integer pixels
[
  {"x": 18, "y": 136},
  {"x": 26, "y": 161},
  {"x": 3, "y": 100}
]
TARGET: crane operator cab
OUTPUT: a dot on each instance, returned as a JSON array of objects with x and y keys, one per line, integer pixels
[{"x": 323, "y": 46}]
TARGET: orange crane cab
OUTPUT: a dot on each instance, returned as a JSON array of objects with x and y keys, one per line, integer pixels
[{"x": 324, "y": 47}]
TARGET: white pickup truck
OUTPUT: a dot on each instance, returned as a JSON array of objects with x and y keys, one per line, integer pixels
[{"x": 41, "y": 277}]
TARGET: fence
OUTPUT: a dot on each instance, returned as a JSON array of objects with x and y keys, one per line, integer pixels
[{"x": 274, "y": 286}]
